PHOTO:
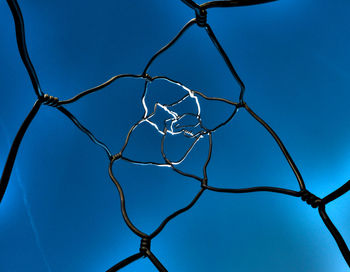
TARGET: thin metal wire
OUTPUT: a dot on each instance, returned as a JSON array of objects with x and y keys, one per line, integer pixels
[
  {"x": 22, "y": 46},
  {"x": 171, "y": 127}
]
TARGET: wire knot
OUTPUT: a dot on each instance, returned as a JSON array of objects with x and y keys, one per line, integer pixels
[
  {"x": 49, "y": 100},
  {"x": 310, "y": 198},
  {"x": 201, "y": 17},
  {"x": 147, "y": 77},
  {"x": 241, "y": 104},
  {"x": 116, "y": 156},
  {"x": 145, "y": 244}
]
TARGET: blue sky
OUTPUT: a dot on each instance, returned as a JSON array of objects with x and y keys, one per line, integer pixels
[{"x": 62, "y": 212}]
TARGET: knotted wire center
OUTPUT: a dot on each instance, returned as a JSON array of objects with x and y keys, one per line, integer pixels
[
  {"x": 49, "y": 100},
  {"x": 310, "y": 199},
  {"x": 145, "y": 245},
  {"x": 201, "y": 17}
]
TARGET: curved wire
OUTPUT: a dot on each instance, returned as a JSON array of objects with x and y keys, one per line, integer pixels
[
  {"x": 281, "y": 146},
  {"x": 233, "y": 3},
  {"x": 200, "y": 11},
  {"x": 86, "y": 131},
  {"x": 97, "y": 88},
  {"x": 337, "y": 193},
  {"x": 175, "y": 214},
  {"x": 191, "y": 4},
  {"x": 224, "y": 4},
  {"x": 226, "y": 59},
  {"x": 255, "y": 189},
  {"x": 336, "y": 234},
  {"x": 126, "y": 262},
  {"x": 6, "y": 174},
  {"x": 22, "y": 46},
  {"x": 171, "y": 43},
  {"x": 122, "y": 203}
]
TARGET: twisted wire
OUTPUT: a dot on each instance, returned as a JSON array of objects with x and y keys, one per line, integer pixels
[{"x": 171, "y": 127}]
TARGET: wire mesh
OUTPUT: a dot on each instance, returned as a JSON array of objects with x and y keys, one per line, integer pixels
[{"x": 173, "y": 125}]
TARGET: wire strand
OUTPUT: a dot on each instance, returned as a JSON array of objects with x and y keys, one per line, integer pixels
[{"x": 171, "y": 127}]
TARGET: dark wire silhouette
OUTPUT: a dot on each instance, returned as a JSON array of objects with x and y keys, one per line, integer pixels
[{"x": 186, "y": 130}]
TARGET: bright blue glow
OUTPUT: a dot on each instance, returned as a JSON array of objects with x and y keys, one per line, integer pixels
[{"x": 293, "y": 58}]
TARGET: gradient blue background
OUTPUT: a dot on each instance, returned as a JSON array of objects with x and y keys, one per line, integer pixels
[{"x": 61, "y": 211}]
